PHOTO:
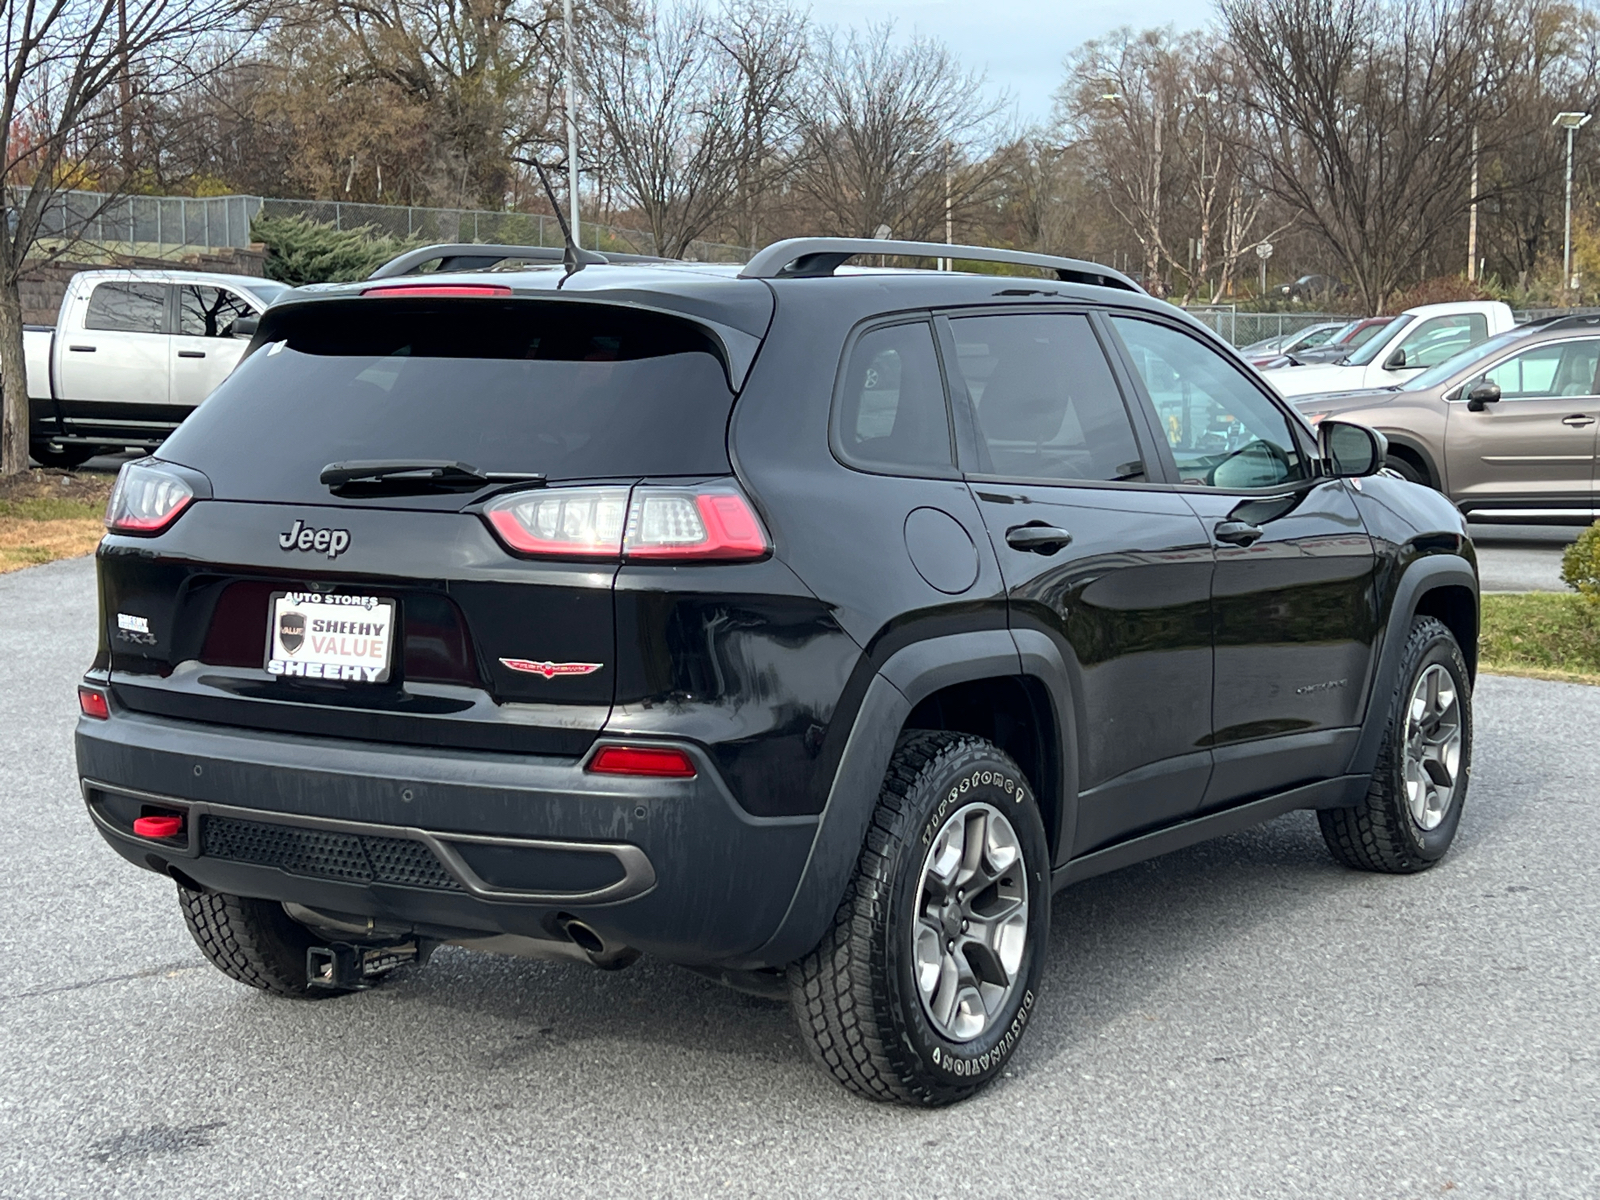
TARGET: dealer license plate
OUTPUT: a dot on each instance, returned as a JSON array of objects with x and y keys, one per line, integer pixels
[{"x": 312, "y": 635}]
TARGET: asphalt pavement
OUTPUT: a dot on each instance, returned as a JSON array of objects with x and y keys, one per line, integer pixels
[
  {"x": 1243, "y": 1019},
  {"x": 1521, "y": 558}
]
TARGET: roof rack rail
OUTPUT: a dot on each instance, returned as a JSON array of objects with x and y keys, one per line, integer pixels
[
  {"x": 472, "y": 256},
  {"x": 1569, "y": 321},
  {"x": 816, "y": 257}
]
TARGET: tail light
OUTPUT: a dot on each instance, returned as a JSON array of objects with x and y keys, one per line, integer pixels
[
  {"x": 93, "y": 703},
  {"x": 458, "y": 290},
  {"x": 710, "y": 523},
  {"x": 146, "y": 498},
  {"x": 657, "y": 762}
]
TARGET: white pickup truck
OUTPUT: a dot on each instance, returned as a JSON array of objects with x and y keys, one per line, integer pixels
[
  {"x": 131, "y": 355},
  {"x": 1414, "y": 340}
]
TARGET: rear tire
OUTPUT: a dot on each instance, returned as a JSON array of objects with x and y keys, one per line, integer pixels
[
  {"x": 923, "y": 986},
  {"x": 66, "y": 456},
  {"x": 252, "y": 941},
  {"x": 1408, "y": 818}
]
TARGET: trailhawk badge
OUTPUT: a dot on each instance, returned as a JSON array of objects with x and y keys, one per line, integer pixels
[{"x": 551, "y": 669}]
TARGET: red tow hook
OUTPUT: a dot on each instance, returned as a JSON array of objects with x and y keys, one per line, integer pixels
[{"x": 158, "y": 827}]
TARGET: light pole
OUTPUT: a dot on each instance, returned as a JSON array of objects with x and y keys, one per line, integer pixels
[
  {"x": 1571, "y": 122},
  {"x": 572, "y": 123}
]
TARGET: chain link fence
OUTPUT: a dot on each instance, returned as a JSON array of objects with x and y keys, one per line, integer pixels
[
  {"x": 171, "y": 226},
  {"x": 1244, "y": 328}
]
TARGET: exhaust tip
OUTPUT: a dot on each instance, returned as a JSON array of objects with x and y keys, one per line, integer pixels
[{"x": 586, "y": 938}]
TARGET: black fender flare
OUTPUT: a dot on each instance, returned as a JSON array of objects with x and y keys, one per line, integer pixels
[
  {"x": 906, "y": 677},
  {"x": 1424, "y": 574}
]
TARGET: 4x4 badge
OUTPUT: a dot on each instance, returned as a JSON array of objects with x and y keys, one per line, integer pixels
[{"x": 551, "y": 669}]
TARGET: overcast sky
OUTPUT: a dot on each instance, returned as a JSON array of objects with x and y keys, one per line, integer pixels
[{"x": 1018, "y": 44}]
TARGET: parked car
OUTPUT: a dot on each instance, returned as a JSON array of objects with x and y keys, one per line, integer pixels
[
  {"x": 131, "y": 355},
  {"x": 1415, "y": 340},
  {"x": 1272, "y": 349},
  {"x": 805, "y": 627},
  {"x": 1506, "y": 429},
  {"x": 1313, "y": 287},
  {"x": 1343, "y": 344}
]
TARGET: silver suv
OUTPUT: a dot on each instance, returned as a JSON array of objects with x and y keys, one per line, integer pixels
[{"x": 1506, "y": 429}]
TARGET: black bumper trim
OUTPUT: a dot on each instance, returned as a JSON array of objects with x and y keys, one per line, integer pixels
[{"x": 638, "y": 876}]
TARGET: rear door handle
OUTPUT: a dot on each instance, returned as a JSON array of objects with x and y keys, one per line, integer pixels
[
  {"x": 81, "y": 349},
  {"x": 1577, "y": 420},
  {"x": 1238, "y": 533},
  {"x": 1038, "y": 537},
  {"x": 191, "y": 353}
]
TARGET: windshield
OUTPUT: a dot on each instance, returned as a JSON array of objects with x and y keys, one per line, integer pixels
[
  {"x": 267, "y": 290},
  {"x": 571, "y": 391},
  {"x": 1450, "y": 367},
  {"x": 1373, "y": 343}
]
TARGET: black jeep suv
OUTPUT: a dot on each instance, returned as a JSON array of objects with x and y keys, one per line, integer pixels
[{"x": 804, "y": 627}]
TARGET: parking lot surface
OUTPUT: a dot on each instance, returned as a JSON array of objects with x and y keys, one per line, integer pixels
[
  {"x": 1241, "y": 1019},
  {"x": 1523, "y": 558}
]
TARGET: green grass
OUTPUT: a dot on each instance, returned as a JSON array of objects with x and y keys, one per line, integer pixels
[
  {"x": 50, "y": 508},
  {"x": 1544, "y": 634}
]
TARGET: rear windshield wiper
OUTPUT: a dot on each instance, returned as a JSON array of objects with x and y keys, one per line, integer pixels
[{"x": 372, "y": 476}]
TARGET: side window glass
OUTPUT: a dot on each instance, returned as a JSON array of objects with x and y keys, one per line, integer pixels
[
  {"x": 128, "y": 308},
  {"x": 1440, "y": 338},
  {"x": 1548, "y": 372},
  {"x": 209, "y": 311},
  {"x": 1045, "y": 401},
  {"x": 1223, "y": 432},
  {"x": 892, "y": 413}
]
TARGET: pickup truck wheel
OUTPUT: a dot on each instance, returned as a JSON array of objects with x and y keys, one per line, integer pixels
[
  {"x": 1409, "y": 815},
  {"x": 924, "y": 984},
  {"x": 67, "y": 455},
  {"x": 253, "y": 941}
]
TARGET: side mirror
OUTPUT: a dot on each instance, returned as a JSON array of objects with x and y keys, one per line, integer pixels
[
  {"x": 1351, "y": 450},
  {"x": 245, "y": 327},
  {"x": 1483, "y": 392},
  {"x": 1395, "y": 361}
]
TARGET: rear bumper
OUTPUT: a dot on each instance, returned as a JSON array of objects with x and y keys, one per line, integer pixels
[{"x": 456, "y": 844}]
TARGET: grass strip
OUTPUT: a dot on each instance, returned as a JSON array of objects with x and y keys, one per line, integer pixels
[
  {"x": 46, "y": 515},
  {"x": 1542, "y": 635}
]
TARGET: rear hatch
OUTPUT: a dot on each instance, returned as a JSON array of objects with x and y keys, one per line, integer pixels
[{"x": 385, "y": 606}]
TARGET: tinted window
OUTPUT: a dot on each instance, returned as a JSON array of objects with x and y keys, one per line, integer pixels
[
  {"x": 1548, "y": 372},
  {"x": 1439, "y": 338},
  {"x": 1222, "y": 430},
  {"x": 128, "y": 307},
  {"x": 576, "y": 391},
  {"x": 892, "y": 412},
  {"x": 209, "y": 311},
  {"x": 1045, "y": 401}
]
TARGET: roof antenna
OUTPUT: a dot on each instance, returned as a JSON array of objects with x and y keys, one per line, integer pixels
[{"x": 576, "y": 258}]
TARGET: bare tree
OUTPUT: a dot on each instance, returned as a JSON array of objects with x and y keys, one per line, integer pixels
[
  {"x": 1366, "y": 111},
  {"x": 666, "y": 96},
  {"x": 766, "y": 43},
  {"x": 1125, "y": 99},
  {"x": 890, "y": 128},
  {"x": 65, "y": 116}
]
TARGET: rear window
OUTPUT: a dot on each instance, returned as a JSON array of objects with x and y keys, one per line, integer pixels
[{"x": 572, "y": 390}]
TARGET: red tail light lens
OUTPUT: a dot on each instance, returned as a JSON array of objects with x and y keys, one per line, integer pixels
[
  {"x": 441, "y": 289},
  {"x": 562, "y": 522},
  {"x": 146, "y": 498},
  {"x": 654, "y": 761},
  {"x": 706, "y": 523},
  {"x": 685, "y": 524},
  {"x": 93, "y": 704}
]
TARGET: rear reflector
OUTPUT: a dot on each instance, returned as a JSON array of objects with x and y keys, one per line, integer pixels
[
  {"x": 662, "y": 763},
  {"x": 158, "y": 827},
  {"x": 468, "y": 290},
  {"x": 93, "y": 704},
  {"x": 710, "y": 523}
]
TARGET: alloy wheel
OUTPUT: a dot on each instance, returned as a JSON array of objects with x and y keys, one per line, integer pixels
[
  {"x": 971, "y": 932},
  {"x": 1433, "y": 747}
]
